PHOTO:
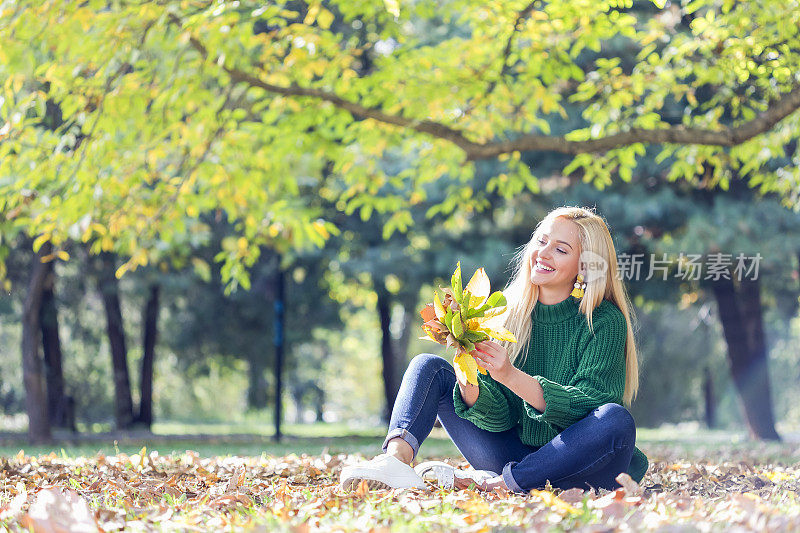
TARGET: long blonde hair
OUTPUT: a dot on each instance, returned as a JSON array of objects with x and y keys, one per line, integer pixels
[{"x": 522, "y": 295}]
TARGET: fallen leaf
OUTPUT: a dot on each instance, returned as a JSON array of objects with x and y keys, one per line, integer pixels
[{"x": 54, "y": 511}]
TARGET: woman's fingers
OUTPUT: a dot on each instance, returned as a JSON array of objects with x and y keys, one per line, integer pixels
[
  {"x": 483, "y": 359},
  {"x": 494, "y": 345},
  {"x": 490, "y": 347}
]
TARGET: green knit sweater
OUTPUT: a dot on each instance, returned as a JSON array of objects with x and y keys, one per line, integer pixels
[{"x": 579, "y": 371}]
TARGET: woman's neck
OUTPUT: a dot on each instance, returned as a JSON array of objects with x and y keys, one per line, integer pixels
[{"x": 552, "y": 296}]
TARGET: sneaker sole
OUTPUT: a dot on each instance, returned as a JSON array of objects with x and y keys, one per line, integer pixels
[{"x": 373, "y": 484}]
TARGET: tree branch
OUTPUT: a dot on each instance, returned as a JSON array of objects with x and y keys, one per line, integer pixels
[
  {"x": 727, "y": 136},
  {"x": 521, "y": 16}
]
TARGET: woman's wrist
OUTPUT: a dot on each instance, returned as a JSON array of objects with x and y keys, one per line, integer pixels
[
  {"x": 507, "y": 376},
  {"x": 526, "y": 387},
  {"x": 469, "y": 393}
]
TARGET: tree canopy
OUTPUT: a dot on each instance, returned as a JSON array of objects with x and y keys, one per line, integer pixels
[{"x": 123, "y": 123}]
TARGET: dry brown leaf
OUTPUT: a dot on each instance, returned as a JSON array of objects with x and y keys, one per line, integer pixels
[
  {"x": 574, "y": 495},
  {"x": 630, "y": 486},
  {"x": 362, "y": 489}
]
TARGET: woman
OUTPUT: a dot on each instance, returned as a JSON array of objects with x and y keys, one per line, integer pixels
[{"x": 549, "y": 409}]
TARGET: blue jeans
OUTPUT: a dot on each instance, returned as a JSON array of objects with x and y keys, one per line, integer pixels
[{"x": 589, "y": 453}]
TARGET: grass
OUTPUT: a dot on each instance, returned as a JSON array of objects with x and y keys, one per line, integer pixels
[
  {"x": 224, "y": 439},
  {"x": 254, "y": 438}
]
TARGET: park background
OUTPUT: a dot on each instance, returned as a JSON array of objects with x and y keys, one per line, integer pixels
[{"x": 224, "y": 217}]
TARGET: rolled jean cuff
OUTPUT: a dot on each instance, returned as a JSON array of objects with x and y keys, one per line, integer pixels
[
  {"x": 406, "y": 436},
  {"x": 511, "y": 483}
]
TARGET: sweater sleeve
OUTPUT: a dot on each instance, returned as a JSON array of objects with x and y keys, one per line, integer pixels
[
  {"x": 599, "y": 378},
  {"x": 494, "y": 410}
]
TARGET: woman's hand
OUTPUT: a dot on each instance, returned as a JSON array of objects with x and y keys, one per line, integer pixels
[{"x": 494, "y": 358}]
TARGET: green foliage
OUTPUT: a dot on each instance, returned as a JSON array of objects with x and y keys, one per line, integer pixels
[{"x": 140, "y": 119}]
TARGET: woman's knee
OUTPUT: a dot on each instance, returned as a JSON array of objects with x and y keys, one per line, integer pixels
[
  {"x": 617, "y": 420},
  {"x": 427, "y": 363}
]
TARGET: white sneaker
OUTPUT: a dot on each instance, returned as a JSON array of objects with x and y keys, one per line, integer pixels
[
  {"x": 382, "y": 472},
  {"x": 444, "y": 475}
]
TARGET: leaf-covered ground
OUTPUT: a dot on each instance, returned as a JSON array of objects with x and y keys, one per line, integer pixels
[{"x": 727, "y": 490}]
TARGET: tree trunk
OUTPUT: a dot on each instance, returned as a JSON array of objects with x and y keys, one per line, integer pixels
[
  {"x": 298, "y": 390},
  {"x": 257, "y": 383},
  {"x": 708, "y": 396},
  {"x": 319, "y": 392},
  {"x": 759, "y": 388},
  {"x": 742, "y": 325},
  {"x": 32, "y": 375},
  {"x": 109, "y": 290},
  {"x": 406, "y": 328},
  {"x": 149, "y": 337},
  {"x": 390, "y": 385},
  {"x": 319, "y": 404},
  {"x": 51, "y": 347},
  {"x": 279, "y": 338}
]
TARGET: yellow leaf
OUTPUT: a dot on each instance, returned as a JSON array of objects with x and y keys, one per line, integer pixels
[
  {"x": 393, "y": 7},
  {"x": 437, "y": 305},
  {"x": 468, "y": 367},
  {"x": 553, "y": 501},
  {"x": 319, "y": 226},
  {"x": 61, "y": 254},
  {"x": 777, "y": 477},
  {"x": 500, "y": 334},
  {"x": 479, "y": 285},
  {"x": 476, "y": 505},
  {"x": 472, "y": 324},
  {"x": 40, "y": 240},
  {"x": 324, "y": 19},
  {"x": 311, "y": 14}
]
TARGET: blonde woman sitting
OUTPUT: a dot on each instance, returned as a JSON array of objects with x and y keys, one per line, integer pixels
[{"x": 551, "y": 407}]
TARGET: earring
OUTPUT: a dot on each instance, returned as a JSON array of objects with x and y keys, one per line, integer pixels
[{"x": 580, "y": 286}]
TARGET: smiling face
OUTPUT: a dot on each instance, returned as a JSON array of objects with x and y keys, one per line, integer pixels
[{"x": 555, "y": 259}]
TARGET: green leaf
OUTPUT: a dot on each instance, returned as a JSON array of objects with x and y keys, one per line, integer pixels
[
  {"x": 465, "y": 303},
  {"x": 458, "y": 326},
  {"x": 496, "y": 299},
  {"x": 455, "y": 284},
  {"x": 475, "y": 336}
]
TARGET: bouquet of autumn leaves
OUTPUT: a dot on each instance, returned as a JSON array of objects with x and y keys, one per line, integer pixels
[{"x": 464, "y": 317}]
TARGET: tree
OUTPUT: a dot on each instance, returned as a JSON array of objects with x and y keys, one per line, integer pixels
[
  {"x": 33, "y": 376},
  {"x": 257, "y": 86},
  {"x": 109, "y": 290},
  {"x": 149, "y": 337},
  {"x": 59, "y": 404}
]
